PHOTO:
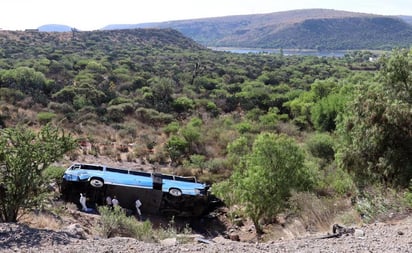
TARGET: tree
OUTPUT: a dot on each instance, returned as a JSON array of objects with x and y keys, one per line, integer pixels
[
  {"x": 27, "y": 80},
  {"x": 161, "y": 94},
  {"x": 183, "y": 104},
  {"x": 24, "y": 155},
  {"x": 396, "y": 74},
  {"x": 177, "y": 148},
  {"x": 375, "y": 130},
  {"x": 324, "y": 112},
  {"x": 273, "y": 168}
]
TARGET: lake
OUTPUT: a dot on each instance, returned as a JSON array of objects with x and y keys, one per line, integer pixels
[{"x": 335, "y": 53}]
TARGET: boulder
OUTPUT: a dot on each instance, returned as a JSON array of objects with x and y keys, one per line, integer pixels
[{"x": 75, "y": 230}]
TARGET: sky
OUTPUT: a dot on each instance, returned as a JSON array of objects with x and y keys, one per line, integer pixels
[{"x": 96, "y": 14}]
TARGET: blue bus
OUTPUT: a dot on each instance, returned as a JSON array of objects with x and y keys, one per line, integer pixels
[{"x": 100, "y": 175}]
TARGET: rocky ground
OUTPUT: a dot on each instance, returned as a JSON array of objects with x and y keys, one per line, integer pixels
[{"x": 390, "y": 236}]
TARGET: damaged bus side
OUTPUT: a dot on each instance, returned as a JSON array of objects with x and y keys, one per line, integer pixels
[{"x": 159, "y": 193}]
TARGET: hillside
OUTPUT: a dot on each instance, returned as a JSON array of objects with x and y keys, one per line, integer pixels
[
  {"x": 125, "y": 86},
  {"x": 106, "y": 41},
  {"x": 246, "y": 124},
  {"x": 298, "y": 29}
]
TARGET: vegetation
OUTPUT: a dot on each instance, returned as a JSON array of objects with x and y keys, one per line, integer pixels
[
  {"x": 24, "y": 155},
  {"x": 375, "y": 130},
  {"x": 114, "y": 222},
  {"x": 264, "y": 179},
  {"x": 264, "y": 129}
]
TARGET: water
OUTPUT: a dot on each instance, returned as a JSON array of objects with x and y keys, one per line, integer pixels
[{"x": 286, "y": 52}]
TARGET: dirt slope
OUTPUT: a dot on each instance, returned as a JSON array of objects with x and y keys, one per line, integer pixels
[{"x": 391, "y": 236}]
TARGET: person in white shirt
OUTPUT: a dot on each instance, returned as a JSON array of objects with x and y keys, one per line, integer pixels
[
  {"x": 115, "y": 202},
  {"x": 138, "y": 205},
  {"x": 109, "y": 201},
  {"x": 83, "y": 202}
]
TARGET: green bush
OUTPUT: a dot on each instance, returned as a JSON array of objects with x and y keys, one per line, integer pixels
[
  {"x": 218, "y": 165},
  {"x": 378, "y": 202},
  {"x": 153, "y": 117},
  {"x": 183, "y": 104},
  {"x": 54, "y": 173},
  {"x": 45, "y": 117},
  {"x": 407, "y": 196},
  {"x": 177, "y": 148},
  {"x": 321, "y": 145},
  {"x": 11, "y": 95},
  {"x": 117, "y": 112},
  {"x": 114, "y": 222},
  {"x": 339, "y": 181},
  {"x": 172, "y": 128},
  {"x": 212, "y": 108},
  {"x": 120, "y": 100},
  {"x": 244, "y": 127}
]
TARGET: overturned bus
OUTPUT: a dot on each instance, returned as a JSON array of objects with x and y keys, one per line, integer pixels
[{"x": 159, "y": 193}]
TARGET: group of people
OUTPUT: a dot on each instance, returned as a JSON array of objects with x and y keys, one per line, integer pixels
[{"x": 111, "y": 202}]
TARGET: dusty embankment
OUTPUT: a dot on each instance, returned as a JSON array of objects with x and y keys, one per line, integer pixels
[{"x": 390, "y": 236}]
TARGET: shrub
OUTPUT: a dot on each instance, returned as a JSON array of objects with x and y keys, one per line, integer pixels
[
  {"x": 218, "y": 165},
  {"x": 11, "y": 95},
  {"x": 408, "y": 198},
  {"x": 120, "y": 100},
  {"x": 338, "y": 180},
  {"x": 45, "y": 117},
  {"x": 379, "y": 203},
  {"x": 54, "y": 174},
  {"x": 114, "y": 222},
  {"x": 153, "y": 117},
  {"x": 24, "y": 155},
  {"x": 177, "y": 148},
  {"x": 244, "y": 127},
  {"x": 321, "y": 145},
  {"x": 212, "y": 108},
  {"x": 183, "y": 104},
  {"x": 117, "y": 112},
  {"x": 160, "y": 157},
  {"x": 172, "y": 128},
  {"x": 61, "y": 107}
]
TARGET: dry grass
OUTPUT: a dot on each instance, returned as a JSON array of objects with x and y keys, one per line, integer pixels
[
  {"x": 318, "y": 214},
  {"x": 41, "y": 221}
]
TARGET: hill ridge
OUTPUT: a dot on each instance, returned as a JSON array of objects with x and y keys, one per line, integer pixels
[{"x": 256, "y": 30}]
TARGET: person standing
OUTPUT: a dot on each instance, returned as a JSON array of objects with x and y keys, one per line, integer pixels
[
  {"x": 115, "y": 202},
  {"x": 138, "y": 204},
  {"x": 109, "y": 202},
  {"x": 83, "y": 202}
]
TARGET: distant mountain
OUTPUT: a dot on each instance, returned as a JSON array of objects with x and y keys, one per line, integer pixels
[
  {"x": 54, "y": 28},
  {"x": 299, "y": 29},
  {"x": 130, "y": 26}
]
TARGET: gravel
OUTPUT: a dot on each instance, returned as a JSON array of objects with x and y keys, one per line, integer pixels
[{"x": 391, "y": 236}]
